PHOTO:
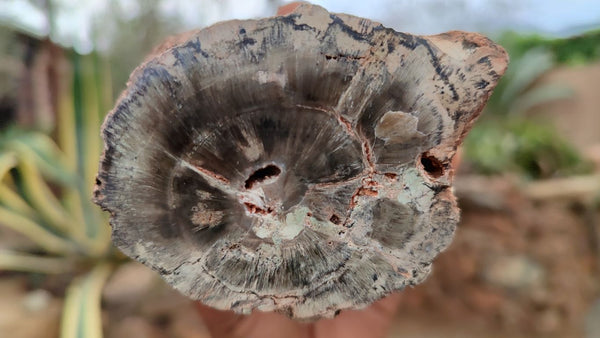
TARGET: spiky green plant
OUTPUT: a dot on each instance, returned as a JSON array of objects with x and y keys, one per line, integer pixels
[
  {"x": 530, "y": 148},
  {"x": 519, "y": 90},
  {"x": 45, "y": 190},
  {"x": 506, "y": 140}
]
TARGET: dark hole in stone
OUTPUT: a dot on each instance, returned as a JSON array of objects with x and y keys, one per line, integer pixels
[
  {"x": 432, "y": 165},
  {"x": 98, "y": 182},
  {"x": 337, "y": 312},
  {"x": 335, "y": 219},
  {"x": 261, "y": 175}
]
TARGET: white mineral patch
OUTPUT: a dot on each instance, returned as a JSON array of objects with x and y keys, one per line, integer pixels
[
  {"x": 262, "y": 230},
  {"x": 415, "y": 190},
  {"x": 266, "y": 77},
  {"x": 270, "y": 226},
  {"x": 294, "y": 223}
]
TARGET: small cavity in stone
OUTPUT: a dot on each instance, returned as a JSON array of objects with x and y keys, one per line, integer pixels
[
  {"x": 262, "y": 174},
  {"x": 432, "y": 165}
]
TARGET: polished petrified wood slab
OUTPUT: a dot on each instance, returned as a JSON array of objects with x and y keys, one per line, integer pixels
[{"x": 299, "y": 163}]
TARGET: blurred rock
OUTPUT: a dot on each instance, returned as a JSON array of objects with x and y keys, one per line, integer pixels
[
  {"x": 37, "y": 300},
  {"x": 27, "y": 315},
  {"x": 518, "y": 273},
  {"x": 477, "y": 192}
]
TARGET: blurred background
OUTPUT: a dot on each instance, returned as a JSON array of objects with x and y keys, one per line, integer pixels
[{"x": 525, "y": 261}]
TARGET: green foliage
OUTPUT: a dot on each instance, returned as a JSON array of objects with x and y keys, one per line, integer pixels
[
  {"x": 45, "y": 189},
  {"x": 518, "y": 91},
  {"x": 505, "y": 139},
  {"x": 524, "y": 146},
  {"x": 581, "y": 49},
  {"x": 81, "y": 313}
]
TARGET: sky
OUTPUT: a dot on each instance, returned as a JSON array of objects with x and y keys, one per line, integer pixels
[
  {"x": 553, "y": 17},
  {"x": 74, "y": 19}
]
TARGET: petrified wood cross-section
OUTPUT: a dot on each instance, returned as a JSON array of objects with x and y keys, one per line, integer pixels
[{"x": 299, "y": 163}]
